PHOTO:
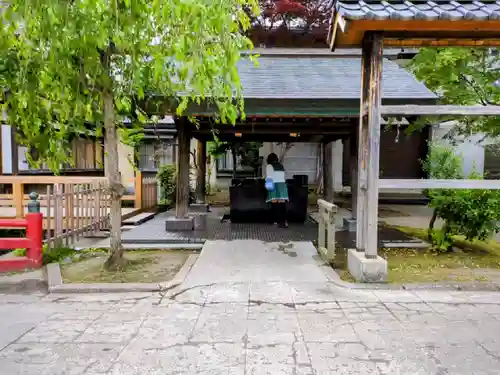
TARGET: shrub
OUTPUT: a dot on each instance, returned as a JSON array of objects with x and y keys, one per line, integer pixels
[
  {"x": 166, "y": 177},
  {"x": 472, "y": 213},
  {"x": 50, "y": 256}
]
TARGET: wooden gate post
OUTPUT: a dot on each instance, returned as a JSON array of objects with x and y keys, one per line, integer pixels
[
  {"x": 201, "y": 173},
  {"x": 182, "y": 193},
  {"x": 374, "y": 103},
  {"x": 362, "y": 138},
  {"x": 363, "y": 262},
  {"x": 328, "y": 172}
]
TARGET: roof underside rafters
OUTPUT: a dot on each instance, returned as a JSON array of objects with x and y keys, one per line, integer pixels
[{"x": 282, "y": 129}]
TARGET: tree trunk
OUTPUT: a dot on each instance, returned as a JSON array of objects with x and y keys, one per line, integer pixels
[
  {"x": 233, "y": 153},
  {"x": 447, "y": 237},
  {"x": 431, "y": 225},
  {"x": 201, "y": 173},
  {"x": 115, "y": 260}
]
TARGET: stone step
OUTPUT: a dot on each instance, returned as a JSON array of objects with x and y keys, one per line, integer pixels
[
  {"x": 138, "y": 219},
  {"x": 163, "y": 240}
]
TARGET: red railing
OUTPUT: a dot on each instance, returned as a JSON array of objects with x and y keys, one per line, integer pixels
[{"x": 33, "y": 222}]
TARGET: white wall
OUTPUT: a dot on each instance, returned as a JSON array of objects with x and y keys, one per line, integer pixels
[
  {"x": 337, "y": 154},
  {"x": 125, "y": 164},
  {"x": 6, "y": 149},
  {"x": 301, "y": 158},
  {"x": 471, "y": 149}
]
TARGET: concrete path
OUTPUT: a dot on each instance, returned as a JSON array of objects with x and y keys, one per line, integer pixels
[{"x": 255, "y": 261}]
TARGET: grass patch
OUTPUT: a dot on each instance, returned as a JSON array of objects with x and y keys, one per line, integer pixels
[
  {"x": 427, "y": 266},
  {"x": 59, "y": 254},
  {"x": 142, "y": 267},
  {"x": 490, "y": 247}
]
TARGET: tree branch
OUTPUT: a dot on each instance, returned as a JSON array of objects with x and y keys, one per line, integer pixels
[
  {"x": 481, "y": 96},
  {"x": 193, "y": 154}
]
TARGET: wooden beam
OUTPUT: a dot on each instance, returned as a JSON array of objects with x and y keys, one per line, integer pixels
[
  {"x": 18, "y": 193},
  {"x": 183, "y": 152},
  {"x": 353, "y": 166},
  {"x": 285, "y": 131},
  {"x": 470, "y": 27},
  {"x": 14, "y": 150},
  {"x": 50, "y": 179},
  {"x": 328, "y": 172},
  {"x": 438, "y": 184},
  {"x": 363, "y": 137},
  {"x": 1, "y": 150},
  {"x": 372, "y": 158},
  {"x": 419, "y": 33},
  {"x": 138, "y": 190},
  {"x": 414, "y": 41},
  {"x": 440, "y": 110},
  {"x": 201, "y": 173}
]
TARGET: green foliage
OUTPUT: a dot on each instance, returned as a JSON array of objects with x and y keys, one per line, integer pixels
[
  {"x": 50, "y": 256},
  {"x": 83, "y": 66},
  {"x": 166, "y": 177},
  {"x": 57, "y": 255},
  {"x": 462, "y": 76},
  {"x": 20, "y": 252},
  {"x": 472, "y": 213},
  {"x": 247, "y": 152},
  {"x": 59, "y": 58}
]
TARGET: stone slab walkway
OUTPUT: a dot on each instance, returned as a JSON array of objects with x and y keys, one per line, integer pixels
[
  {"x": 252, "y": 328},
  {"x": 252, "y": 308}
]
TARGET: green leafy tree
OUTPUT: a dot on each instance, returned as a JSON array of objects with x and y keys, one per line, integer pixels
[
  {"x": 248, "y": 152},
  {"x": 67, "y": 64},
  {"x": 462, "y": 76},
  {"x": 472, "y": 213}
]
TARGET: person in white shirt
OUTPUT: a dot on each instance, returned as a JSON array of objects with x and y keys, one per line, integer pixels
[{"x": 277, "y": 197}]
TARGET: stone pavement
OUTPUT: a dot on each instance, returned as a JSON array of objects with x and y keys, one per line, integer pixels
[
  {"x": 252, "y": 328},
  {"x": 252, "y": 308}
]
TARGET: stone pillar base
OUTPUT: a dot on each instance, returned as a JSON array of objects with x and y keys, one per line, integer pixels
[
  {"x": 175, "y": 224},
  {"x": 350, "y": 224},
  {"x": 366, "y": 270},
  {"x": 199, "y": 207}
]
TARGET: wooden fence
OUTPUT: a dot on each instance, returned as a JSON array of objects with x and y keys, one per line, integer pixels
[
  {"x": 13, "y": 202},
  {"x": 73, "y": 207},
  {"x": 74, "y": 211},
  {"x": 146, "y": 191},
  {"x": 326, "y": 229}
]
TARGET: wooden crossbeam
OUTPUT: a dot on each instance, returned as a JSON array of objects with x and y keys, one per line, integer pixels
[
  {"x": 28, "y": 179},
  {"x": 440, "y": 110},
  {"x": 438, "y": 184}
]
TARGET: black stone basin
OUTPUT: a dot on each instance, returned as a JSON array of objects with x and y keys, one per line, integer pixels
[{"x": 248, "y": 200}]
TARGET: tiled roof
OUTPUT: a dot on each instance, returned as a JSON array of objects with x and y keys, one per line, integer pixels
[
  {"x": 419, "y": 10},
  {"x": 306, "y": 77}
]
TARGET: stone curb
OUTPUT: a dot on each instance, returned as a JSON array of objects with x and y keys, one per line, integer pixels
[
  {"x": 56, "y": 285},
  {"x": 151, "y": 246},
  {"x": 334, "y": 278}
]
